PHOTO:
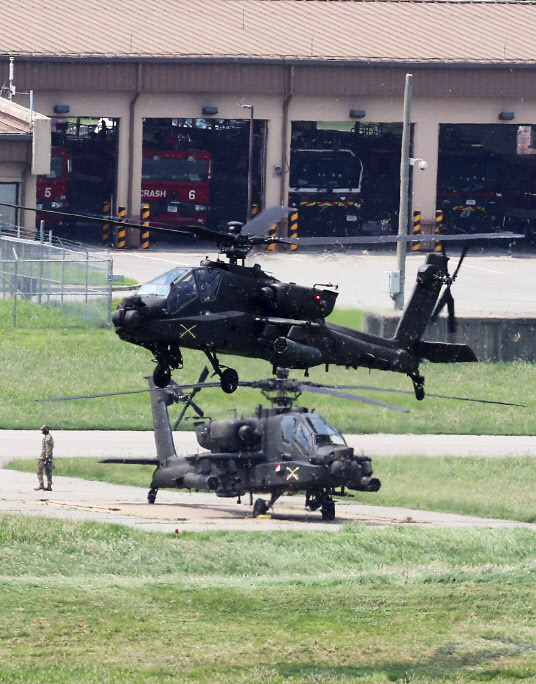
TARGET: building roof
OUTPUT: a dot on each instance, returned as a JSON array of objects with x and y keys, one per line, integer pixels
[
  {"x": 402, "y": 31},
  {"x": 10, "y": 125}
]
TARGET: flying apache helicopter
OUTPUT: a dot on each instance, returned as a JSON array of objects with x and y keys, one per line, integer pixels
[
  {"x": 277, "y": 450},
  {"x": 223, "y": 307}
]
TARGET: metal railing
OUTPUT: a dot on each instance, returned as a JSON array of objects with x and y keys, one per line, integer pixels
[{"x": 75, "y": 279}]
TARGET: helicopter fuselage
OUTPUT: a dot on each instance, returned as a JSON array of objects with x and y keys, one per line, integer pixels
[{"x": 226, "y": 308}]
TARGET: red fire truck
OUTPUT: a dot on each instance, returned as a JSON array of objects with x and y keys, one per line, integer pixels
[
  {"x": 175, "y": 184},
  {"x": 52, "y": 189}
]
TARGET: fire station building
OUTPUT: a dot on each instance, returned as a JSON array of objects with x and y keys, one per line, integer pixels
[{"x": 208, "y": 111}]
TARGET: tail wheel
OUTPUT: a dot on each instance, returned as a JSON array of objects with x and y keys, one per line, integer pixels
[
  {"x": 260, "y": 507},
  {"x": 151, "y": 496}
]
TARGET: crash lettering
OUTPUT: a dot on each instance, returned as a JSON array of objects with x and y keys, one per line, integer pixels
[{"x": 153, "y": 193}]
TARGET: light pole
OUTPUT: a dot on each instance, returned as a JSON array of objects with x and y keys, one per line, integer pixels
[{"x": 250, "y": 160}]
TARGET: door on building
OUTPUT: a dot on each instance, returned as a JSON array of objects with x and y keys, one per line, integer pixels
[
  {"x": 345, "y": 177},
  {"x": 83, "y": 173},
  {"x": 486, "y": 177},
  {"x": 196, "y": 170},
  {"x": 9, "y": 193}
]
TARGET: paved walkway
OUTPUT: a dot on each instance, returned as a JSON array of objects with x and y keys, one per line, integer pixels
[{"x": 130, "y": 444}]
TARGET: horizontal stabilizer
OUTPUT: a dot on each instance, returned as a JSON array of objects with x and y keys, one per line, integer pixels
[
  {"x": 444, "y": 352},
  {"x": 135, "y": 461}
]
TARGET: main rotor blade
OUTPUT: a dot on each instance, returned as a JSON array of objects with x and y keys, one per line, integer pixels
[
  {"x": 94, "y": 396},
  {"x": 387, "y": 239},
  {"x": 428, "y": 394},
  {"x": 257, "y": 226},
  {"x": 353, "y": 397},
  {"x": 260, "y": 223},
  {"x": 460, "y": 261}
]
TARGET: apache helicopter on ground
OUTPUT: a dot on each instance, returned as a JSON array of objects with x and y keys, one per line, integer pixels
[
  {"x": 223, "y": 307},
  {"x": 277, "y": 450}
]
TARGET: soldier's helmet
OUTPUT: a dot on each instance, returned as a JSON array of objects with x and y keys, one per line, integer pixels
[{"x": 45, "y": 428}]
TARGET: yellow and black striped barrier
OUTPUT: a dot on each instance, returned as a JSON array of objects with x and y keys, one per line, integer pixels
[
  {"x": 293, "y": 229},
  {"x": 417, "y": 246},
  {"x": 145, "y": 216},
  {"x": 122, "y": 229},
  {"x": 272, "y": 232},
  {"x": 107, "y": 239},
  {"x": 438, "y": 228}
]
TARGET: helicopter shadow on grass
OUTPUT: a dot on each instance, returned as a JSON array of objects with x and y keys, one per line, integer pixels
[{"x": 444, "y": 662}]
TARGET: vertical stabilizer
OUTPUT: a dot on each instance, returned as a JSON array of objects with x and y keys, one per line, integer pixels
[
  {"x": 422, "y": 301},
  {"x": 163, "y": 435}
]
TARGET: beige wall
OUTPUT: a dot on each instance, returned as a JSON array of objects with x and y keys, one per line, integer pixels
[{"x": 427, "y": 114}]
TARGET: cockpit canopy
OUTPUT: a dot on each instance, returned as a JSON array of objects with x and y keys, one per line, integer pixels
[
  {"x": 182, "y": 284},
  {"x": 305, "y": 430}
]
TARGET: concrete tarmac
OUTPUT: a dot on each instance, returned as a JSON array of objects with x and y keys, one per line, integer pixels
[
  {"x": 84, "y": 500},
  {"x": 496, "y": 283}
]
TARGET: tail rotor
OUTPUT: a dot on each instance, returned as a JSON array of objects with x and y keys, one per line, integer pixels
[{"x": 446, "y": 299}]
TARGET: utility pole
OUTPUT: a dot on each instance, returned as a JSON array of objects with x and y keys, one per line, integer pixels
[{"x": 401, "y": 246}]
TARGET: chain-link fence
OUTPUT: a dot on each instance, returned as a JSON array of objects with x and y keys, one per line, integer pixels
[{"x": 76, "y": 281}]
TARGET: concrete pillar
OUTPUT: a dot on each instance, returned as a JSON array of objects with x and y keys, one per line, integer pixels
[
  {"x": 426, "y": 146},
  {"x": 123, "y": 159},
  {"x": 274, "y": 161}
]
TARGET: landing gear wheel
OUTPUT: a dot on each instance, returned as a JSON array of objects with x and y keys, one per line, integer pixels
[
  {"x": 151, "y": 496},
  {"x": 229, "y": 380},
  {"x": 418, "y": 386},
  {"x": 328, "y": 510},
  {"x": 260, "y": 507},
  {"x": 161, "y": 375}
]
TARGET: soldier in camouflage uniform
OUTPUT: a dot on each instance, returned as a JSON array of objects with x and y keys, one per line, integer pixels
[{"x": 45, "y": 460}]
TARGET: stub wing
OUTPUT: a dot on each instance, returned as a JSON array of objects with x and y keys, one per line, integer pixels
[
  {"x": 132, "y": 461},
  {"x": 227, "y": 456}
]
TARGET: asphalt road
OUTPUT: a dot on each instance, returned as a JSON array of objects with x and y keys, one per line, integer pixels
[{"x": 487, "y": 285}]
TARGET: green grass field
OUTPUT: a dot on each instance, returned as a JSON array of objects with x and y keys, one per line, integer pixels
[
  {"x": 95, "y": 603},
  {"x": 488, "y": 487},
  {"x": 103, "y": 603},
  {"x": 50, "y": 355}
]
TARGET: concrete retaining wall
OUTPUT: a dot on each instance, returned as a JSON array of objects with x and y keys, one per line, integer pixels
[{"x": 492, "y": 339}]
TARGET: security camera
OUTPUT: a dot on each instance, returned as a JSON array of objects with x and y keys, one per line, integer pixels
[{"x": 422, "y": 164}]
